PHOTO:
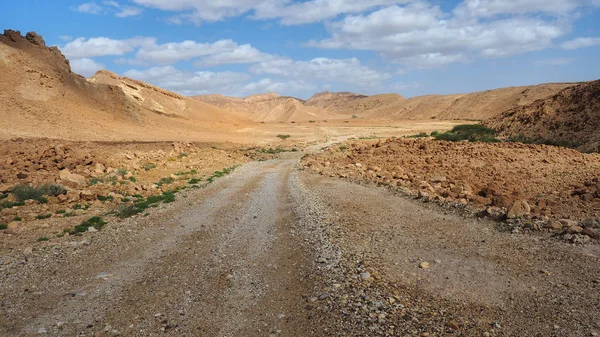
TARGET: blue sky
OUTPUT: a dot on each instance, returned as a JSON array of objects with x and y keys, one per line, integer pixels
[{"x": 297, "y": 48}]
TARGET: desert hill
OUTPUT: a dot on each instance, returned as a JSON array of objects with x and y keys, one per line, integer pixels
[
  {"x": 572, "y": 115},
  {"x": 336, "y": 105},
  {"x": 42, "y": 97},
  {"x": 269, "y": 107},
  {"x": 478, "y": 105}
]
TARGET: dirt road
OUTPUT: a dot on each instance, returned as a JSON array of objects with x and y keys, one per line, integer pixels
[{"x": 272, "y": 251}]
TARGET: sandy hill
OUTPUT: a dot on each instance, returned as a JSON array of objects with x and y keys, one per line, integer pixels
[
  {"x": 572, "y": 115},
  {"x": 269, "y": 107},
  {"x": 333, "y": 101},
  {"x": 478, "y": 105},
  {"x": 41, "y": 97}
]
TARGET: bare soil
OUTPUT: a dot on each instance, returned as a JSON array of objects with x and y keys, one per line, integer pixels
[{"x": 272, "y": 251}]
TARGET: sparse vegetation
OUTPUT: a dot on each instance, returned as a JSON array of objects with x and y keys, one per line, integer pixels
[
  {"x": 276, "y": 150},
  {"x": 182, "y": 155},
  {"x": 17, "y": 218},
  {"x": 42, "y": 238},
  {"x": 283, "y": 137},
  {"x": 420, "y": 135},
  {"x": 469, "y": 132},
  {"x": 221, "y": 173},
  {"x": 43, "y": 216},
  {"x": 137, "y": 207},
  {"x": 148, "y": 166},
  {"x": 185, "y": 173},
  {"x": 165, "y": 181},
  {"x": 434, "y": 133},
  {"x": 95, "y": 221},
  {"x": 68, "y": 215},
  {"x": 3, "y": 196},
  {"x": 194, "y": 181},
  {"x": 106, "y": 198},
  {"x": 354, "y": 116},
  {"x": 3, "y": 226},
  {"x": 122, "y": 172},
  {"x": 61, "y": 211},
  {"x": 95, "y": 181},
  {"x": 9, "y": 204},
  {"x": 25, "y": 192},
  {"x": 132, "y": 179}
]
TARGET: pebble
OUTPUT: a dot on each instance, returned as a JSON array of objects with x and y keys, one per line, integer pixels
[
  {"x": 365, "y": 276},
  {"x": 424, "y": 265},
  {"x": 42, "y": 331}
]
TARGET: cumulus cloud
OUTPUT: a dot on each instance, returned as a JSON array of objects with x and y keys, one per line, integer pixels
[
  {"x": 186, "y": 50},
  {"x": 269, "y": 85},
  {"x": 336, "y": 70},
  {"x": 422, "y": 35},
  {"x": 199, "y": 82},
  {"x": 238, "y": 55},
  {"x": 488, "y": 8},
  {"x": 103, "y": 46},
  {"x": 86, "y": 66},
  {"x": 581, "y": 42}
]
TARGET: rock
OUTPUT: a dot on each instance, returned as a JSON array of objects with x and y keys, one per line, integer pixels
[
  {"x": 5, "y": 188},
  {"x": 365, "y": 276},
  {"x": 100, "y": 168},
  {"x": 554, "y": 225},
  {"x": 592, "y": 233},
  {"x": 72, "y": 180},
  {"x": 519, "y": 209},
  {"x": 568, "y": 223},
  {"x": 87, "y": 195},
  {"x": 41, "y": 331},
  {"x": 13, "y": 225},
  {"x": 36, "y": 39},
  {"x": 574, "y": 229},
  {"x": 437, "y": 179},
  {"x": 22, "y": 175},
  {"x": 92, "y": 230},
  {"x": 453, "y": 325},
  {"x": 424, "y": 265}
]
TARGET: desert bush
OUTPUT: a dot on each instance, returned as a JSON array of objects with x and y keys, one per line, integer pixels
[
  {"x": 435, "y": 133},
  {"x": 420, "y": 135},
  {"x": 284, "y": 137},
  {"x": 42, "y": 238},
  {"x": 469, "y": 132},
  {"x": 148, "y": 166},
  {"x": 95, "y": 221},
  {"x": 43, "y": 216},
  {"x": 165, "y": 181},
  {"x": 25, "y": 192},
  {"x": 3, "y": 226}
]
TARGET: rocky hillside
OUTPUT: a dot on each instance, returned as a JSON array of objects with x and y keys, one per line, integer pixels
[
  {"x": 41, "y": 97},
  {"x": 333, "y": 101},
  {"x": 570, "y": 116}
]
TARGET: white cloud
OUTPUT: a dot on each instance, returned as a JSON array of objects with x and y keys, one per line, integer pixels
[
  {"x": 314, "y": 10},
  {"x": 186, "y": 50},
  {"x": 421, "y": 35},
  {"x": 86, "y": 66},
  {"x": 190, "y": 83},
  {"x": 108, "y": 7},
  {"x": 489, "y": 8},
  {"x": 90, "y": 8},
  {"x": 581, "y": 42},
  {"x": 326, "y": 69},
  {"x": 288, "y": 11},
  {"x": 102, "y": 46},
  {"x": 269, "y": 85},
  {"x": 238, "y": 55},
  {"x": 553, "y": 62},
  {"x": 65, "y": 37}
]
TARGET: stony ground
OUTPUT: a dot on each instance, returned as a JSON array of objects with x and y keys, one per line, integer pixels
[
  {"x": 533, "y": 186},
  {"x": 272, "y": 251}
]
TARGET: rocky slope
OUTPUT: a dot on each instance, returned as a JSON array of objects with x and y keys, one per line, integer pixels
[
  {"x": 570, "y": 116},
  {"x": 42, "y": 97}
]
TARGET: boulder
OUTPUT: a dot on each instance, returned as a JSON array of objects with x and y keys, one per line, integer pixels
[
  {"x": 72, "y": 180},
  {"x": 36, "y": 39},
  {"x": 518, "y": 209}
]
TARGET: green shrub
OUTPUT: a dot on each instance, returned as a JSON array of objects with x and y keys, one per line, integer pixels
[
  {"x": 132, "y": 179},
  {"x": 469, "y": 132},
  {"x": 182, "y": 155},
  {"x": 95, "y": 180},
  {"x": 9, "y": 204},
  {"x": 43, "y": 216},
  {"x": 105, "y": 198},
  {"x": 194, "y": 181},
  {"x": 122, "y": 172},
  {"x": 95, "y": 221},
  {"x": 68, "y": 215},
  {"x": 3, "y": 226},
  {"x": 165, "y": 181},
  {"x": 25, "y": 192},
  {"x": 148, "y": 166},
  {"x": 42, "y": 238},
  {"x": 284, "y": 137},
  {"x": 434, "y": 133},
  {"x": 61, "y": 211},
  {"x": 3, "y": 196},
  {"x": 420, "y": 135},
  {"x": 137, "y": 207},
  {"x": 17, "y": 218}
]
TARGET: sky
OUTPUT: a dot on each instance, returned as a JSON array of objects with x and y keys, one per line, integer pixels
[{"x": 298, "y": 48}]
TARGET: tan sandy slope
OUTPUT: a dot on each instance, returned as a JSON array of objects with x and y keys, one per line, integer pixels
[
  {"x": 41, "y": 97},
  {"x": 572, "y": 115}
]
